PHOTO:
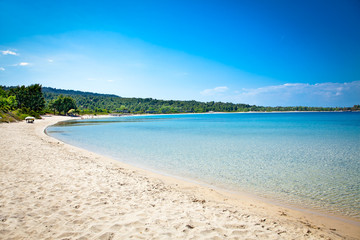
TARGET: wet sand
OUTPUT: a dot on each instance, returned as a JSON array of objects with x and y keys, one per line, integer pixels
[{"x": 51, "y": 190}]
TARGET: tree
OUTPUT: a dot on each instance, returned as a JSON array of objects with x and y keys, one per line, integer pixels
[
  {"x": 56, "y": 104},
  {"x": 7, "y": 102},
  {"x": 355, "y": 108},
  {"x": 68, "y": 103},
  {"x": 30, "y": 97},
  {"x": 62, "y": 104}
]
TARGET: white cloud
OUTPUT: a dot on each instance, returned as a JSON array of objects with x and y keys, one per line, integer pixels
[
  {"x": 292, "y": 94},
  {"x": 20, "y": 64},
  {"x": 214, "y": 91},
  {"x": 110, "y": 80},
  {"x": 2, "y": 69},
  {"x": 8, "y": 52},
  {"x": 50, "y": 60}
]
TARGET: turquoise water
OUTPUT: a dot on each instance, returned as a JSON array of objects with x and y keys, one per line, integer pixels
[{"x": 310, "y": 160}]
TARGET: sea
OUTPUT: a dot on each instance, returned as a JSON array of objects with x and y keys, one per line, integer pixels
[{"x": 309, "y": 160}]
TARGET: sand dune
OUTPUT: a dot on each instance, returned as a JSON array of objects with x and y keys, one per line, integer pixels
[{"x": 51, "y": 190}]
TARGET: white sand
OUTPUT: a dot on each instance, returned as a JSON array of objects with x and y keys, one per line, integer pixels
[{"x": 51, "y": 190}]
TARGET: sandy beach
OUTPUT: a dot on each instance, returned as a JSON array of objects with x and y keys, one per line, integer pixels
[{"x": 51, "y": 190}]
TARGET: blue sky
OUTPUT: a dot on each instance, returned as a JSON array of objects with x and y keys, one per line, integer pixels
[{"x": 270, "y": 53}]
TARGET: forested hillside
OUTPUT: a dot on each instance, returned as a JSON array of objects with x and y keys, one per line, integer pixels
[
  {"x": 18, "y": 102},
  {"x": 111, "y": 103},
  {"x": 93, "y": 102}
]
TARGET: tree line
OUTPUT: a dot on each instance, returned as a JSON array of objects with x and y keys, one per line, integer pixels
[
  {"x": 16, "y": 103},
  {"x": 88, "y": 102},
  {"x": 34, "y": 100}
]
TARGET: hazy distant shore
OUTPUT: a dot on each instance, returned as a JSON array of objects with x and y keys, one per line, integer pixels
[
  {"x": 53, "y": 190},
  {"x": 250, "y": 112}
]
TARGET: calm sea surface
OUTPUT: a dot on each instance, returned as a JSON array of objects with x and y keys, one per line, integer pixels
[{"x": 304, "y": 159}]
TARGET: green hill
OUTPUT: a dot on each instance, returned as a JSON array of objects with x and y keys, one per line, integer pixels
[
  {"x": 94, "y": 102},
  {"x": 16, "y": 103},
  {"x": 111, "y": 103}
]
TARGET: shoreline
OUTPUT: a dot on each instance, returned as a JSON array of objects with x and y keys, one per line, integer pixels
[
  {"x": 248, "y": 217},
  {"x": 89, "y": 116},
  {"x": 268, "y": 199}
]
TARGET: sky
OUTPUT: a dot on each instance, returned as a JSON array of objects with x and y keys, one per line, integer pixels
[{"x": 262, "y": 52}]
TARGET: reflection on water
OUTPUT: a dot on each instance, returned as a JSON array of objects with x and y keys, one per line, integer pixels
[{"x": 87, "y": 122}]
